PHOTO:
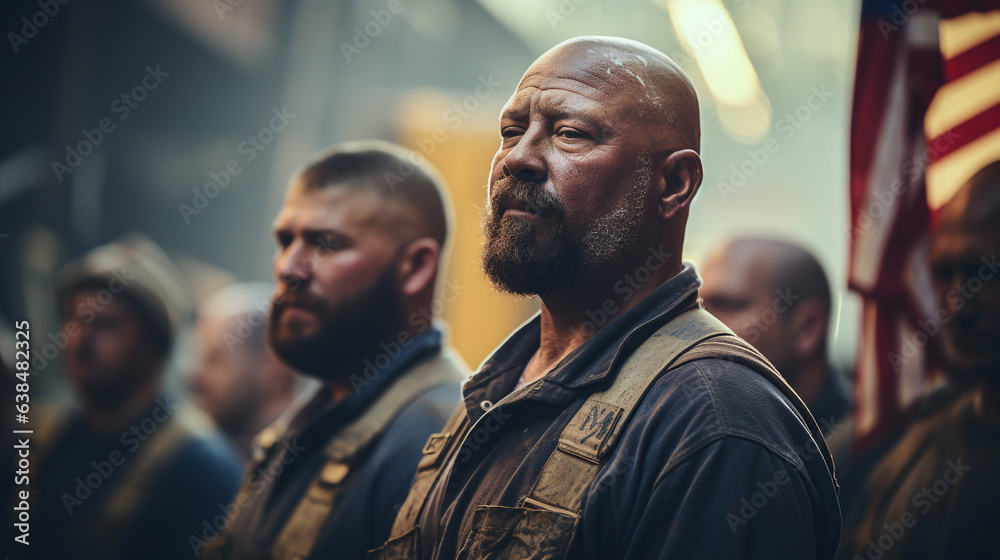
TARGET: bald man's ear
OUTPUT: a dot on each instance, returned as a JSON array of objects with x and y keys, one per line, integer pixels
[
  {"x": 418, "y": 266},
  {"x": 678, "y": 177},
  {"x": 809, "y": 323}
]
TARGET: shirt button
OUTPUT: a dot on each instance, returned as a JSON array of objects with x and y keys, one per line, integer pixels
[{"x": 486, "y": 405}]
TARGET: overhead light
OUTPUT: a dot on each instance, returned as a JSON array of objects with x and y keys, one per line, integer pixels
[{"x": 707, "y": 32}]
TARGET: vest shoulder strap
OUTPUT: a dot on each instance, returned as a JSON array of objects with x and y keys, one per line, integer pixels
[
  {"x": 558, "y": 476},
  {"x": 346, "y": 450},
  {"x": 592, "y": 433},
  {"x": 594, "y": 430}
]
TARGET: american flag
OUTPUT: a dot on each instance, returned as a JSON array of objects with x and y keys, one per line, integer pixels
[{"x": 926, "y": 117}]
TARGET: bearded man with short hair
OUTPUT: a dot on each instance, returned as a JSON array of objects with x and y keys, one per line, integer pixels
[{"x": 359, "y": 252}]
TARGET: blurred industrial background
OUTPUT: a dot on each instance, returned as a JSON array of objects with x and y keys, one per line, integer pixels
[{"x": 123, "y": 116}]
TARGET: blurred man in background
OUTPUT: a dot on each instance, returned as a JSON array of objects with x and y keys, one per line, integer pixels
[
  {"x": 934, "y": 495},
  {"x": 238, "y": 380},
  {"x": 776, "y": 296},
  {"x": 360, "y": 242},
  {"x": 129, "y": 473}
]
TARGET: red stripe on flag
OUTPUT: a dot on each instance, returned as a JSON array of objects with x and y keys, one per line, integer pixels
[
  {"x": 876, "y": 57},
  {"x": 973, "y": 59},
  {"x": 969, "y": 131},
  {"x": 904, "y": 215},
  {"x": 888, "y": 410}
]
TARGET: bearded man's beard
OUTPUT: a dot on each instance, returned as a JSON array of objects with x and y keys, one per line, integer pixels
[
  {"x": 514, "y": 257},
  {"x": 347, "y": 332},
  {"x": 520, "y": 261}
]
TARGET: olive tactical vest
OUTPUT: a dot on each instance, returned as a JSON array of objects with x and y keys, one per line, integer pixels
[
  {"x": 344, "y": 453},
  {"x": 544, "y": 524}
]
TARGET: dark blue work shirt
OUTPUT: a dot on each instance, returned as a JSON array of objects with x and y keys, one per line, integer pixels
[
  {"x": 83, "y": 471},
  {"x": 365, "y": 510},
  {"x": 715, "y": 463}
]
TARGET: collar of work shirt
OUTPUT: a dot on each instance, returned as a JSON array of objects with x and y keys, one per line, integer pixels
[{"x": 592, "y": 363}]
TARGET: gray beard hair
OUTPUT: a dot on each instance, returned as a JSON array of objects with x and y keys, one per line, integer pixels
[
  {"x": 520, "y": 265},
  {"x": 620, "y": 231}
]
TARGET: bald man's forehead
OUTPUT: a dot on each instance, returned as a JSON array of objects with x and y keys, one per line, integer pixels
[
  {"x": 557, "y": 98},
  {"x": 752, "y": 269},
  {"x": 605, "y": 99},
  {"x": 577, "y": 82},
  {"x": 962, "y": 234},
  {"x": 635, "y": 79},
  {"x": 603, "y": 70}
]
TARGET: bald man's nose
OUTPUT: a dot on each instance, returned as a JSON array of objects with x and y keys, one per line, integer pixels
[{"x": 524, "y": 161}]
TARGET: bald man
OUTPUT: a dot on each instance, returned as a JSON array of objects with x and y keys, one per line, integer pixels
[
  {"x": 775, "y": 295},
  {"x": 934, "y": 495},
  {"x": 360, "y": 241},
  {"x": 238, "y": 380},
  {"x": 622, "y": 421}
]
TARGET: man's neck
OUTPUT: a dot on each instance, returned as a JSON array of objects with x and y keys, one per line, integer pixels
[
  {"x": 346, "y": 382},
  {"x": 810, "y": 381},
  {"x": 271, "y": 411},
  {"x": 567, "y": 319}
]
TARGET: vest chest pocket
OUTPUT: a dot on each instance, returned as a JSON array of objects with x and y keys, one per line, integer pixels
[{"x": 518, "y": 533}]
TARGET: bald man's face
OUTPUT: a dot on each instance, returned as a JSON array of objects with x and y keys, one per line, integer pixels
[
  {"x": 964, "y": 259},
  {"x": 738, "y": 291},
  {"x": 570, "y": 186},
  {"x": 227, "y": 380}
]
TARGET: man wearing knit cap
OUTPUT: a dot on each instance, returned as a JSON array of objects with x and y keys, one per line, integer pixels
[{"x": 128, "y": 473}]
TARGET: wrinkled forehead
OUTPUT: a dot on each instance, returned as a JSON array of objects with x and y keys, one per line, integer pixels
[{"x": 600, "y": 72}]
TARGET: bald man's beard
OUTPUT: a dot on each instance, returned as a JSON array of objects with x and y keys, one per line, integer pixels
[
  {"x": 348, "y": 332},
  {"x": 521, "y": 261}
]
